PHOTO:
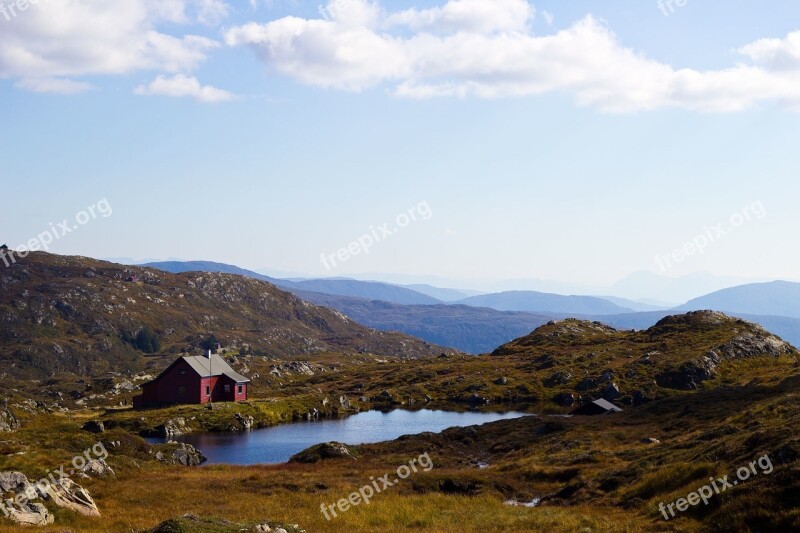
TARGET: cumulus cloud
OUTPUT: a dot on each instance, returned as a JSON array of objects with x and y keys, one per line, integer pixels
[
  {"x": 487, "y": 49},
  {"x": 181, "y": 85},
  {"x": 58, "y": 39}
]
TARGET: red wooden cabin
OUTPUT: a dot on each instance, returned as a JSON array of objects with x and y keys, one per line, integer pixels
[{"x": 194, "y": 380}]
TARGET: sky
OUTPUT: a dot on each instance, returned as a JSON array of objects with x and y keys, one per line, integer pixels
[{"x": 465, "y": 139}]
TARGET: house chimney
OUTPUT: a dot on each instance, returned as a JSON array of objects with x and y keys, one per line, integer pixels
[{"x": 209, "y": 353}]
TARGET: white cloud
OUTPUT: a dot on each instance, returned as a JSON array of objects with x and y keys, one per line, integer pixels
[
  {"x": 181, "y": 85},
  {"x": 57, "y": 39},
  {"x": 486, "y": 49},
  {"x": 474, "y": 16},
  {"x": 53, "y": 85}
]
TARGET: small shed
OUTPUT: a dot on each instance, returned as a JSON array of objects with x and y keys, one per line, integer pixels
[{"x": 596, "y": 407}]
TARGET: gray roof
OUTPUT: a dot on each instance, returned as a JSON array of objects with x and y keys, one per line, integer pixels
[
  {"x": 215, "y": 367},
  {"x": 608, "y": 406}
]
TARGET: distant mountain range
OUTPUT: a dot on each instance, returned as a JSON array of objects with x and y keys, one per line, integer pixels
[
  {"x": 480, "y": 323},
  {"x": 781, "y": 298},
  {"x": 540, "y": 302}
]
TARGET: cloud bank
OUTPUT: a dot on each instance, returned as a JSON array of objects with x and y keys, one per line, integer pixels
[{"x": 486, "y": 49}]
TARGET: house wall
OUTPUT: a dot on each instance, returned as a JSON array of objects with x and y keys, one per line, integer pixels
[{"x": 180, "y": 384}]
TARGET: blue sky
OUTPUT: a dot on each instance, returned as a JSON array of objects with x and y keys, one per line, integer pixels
[{"x": 569, "y": 160}]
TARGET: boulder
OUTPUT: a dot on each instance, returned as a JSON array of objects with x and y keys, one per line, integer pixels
[
  {"x": 586, "y": 384},
  {"x": 13, "y": 482},
  {"x": 180, "y": 453},
  {"x": 344, "y": 402},
  {"x": 8, "y": 422},
  {"x": 559, "y": 378},
  {"x": 98, "y": 468},
  {"x": 29, "y": 514},
  {"x": 94, "y": 426},
  {"x": 611, "y": 392},
  {"x": 69, "y": 495},
  {"x": 327, "y": 450},
  {"x": 501, "y": 381},
  {"x": 565, "y": 399},
  {"x": 245, "y": 422}
]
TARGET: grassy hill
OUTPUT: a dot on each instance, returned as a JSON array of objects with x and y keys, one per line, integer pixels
[{"x": 75, "y": 314}]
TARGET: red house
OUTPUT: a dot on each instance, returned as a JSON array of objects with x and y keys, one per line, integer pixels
[{"x": 194, "y": 380}]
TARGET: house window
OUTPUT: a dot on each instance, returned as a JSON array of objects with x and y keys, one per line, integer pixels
[
  {"x": 227, "y": 388},
  {"x": 208, "y": 390},
  {"x": 181, "y": 391},
  {"x": 182, "y": 372},
  {"x": 240, "y": 389}
]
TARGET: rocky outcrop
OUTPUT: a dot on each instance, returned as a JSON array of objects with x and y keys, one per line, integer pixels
[
  {"x": 179, "y": 453},
  {"x": 328, "y": 450},
  {"x": 245, "y": 423},
  {"x": 611, "y": 391},
  {"x": 68, "y": 494},
  {"x": 689, "y": 375},
  {"x": 26, "y": 511},
  {"x": 169, "y": 429},
  {"x": 98, "y": 468},
  {"x": 8, "y": 422}
]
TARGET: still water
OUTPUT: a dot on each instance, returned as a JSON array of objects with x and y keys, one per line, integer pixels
[{"x": 277, "y": 444}]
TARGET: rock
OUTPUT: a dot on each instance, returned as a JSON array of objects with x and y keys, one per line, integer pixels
[
  {"x": 476, "y": 400},
  {"x": 586, "y": 384},
  {"x": 384, "y": 396},
  {"x": 180, "y": 453},
  {"x": 689, "y": 375},
  {"x": 13, "y": 482},
  {"x": 611, "y": 392},
  {"x": 606, "y": 377},
  {"x": 344, "y": 402},
  {"x": 501, "y": 381},
  {"x": 559, "y": 378},
  {"x": 565, "y": 399},
  {"x": 325, "y": 402},
  {"x": 327, "y": 450},
  {"x": 98, "y": 468},
  {"x": 246, "y": 422},
  {"x": 650, "y": 440},
  {"x": 69, "y": 495},
  {"x": 640, "y": 397},
  {"x": 169, "y": 429},
  {"x": 94, "y": 426},
  {"x": 30, "y": 514},
  {"x": 8, "y": 422}
]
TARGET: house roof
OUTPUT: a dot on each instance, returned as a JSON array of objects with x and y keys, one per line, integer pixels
[
  {"x": 608, "y": 406},
  {"x": 216, "y": 366}
]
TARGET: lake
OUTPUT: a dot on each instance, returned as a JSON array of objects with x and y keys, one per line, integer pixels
[{"x": 277, "y": 444}]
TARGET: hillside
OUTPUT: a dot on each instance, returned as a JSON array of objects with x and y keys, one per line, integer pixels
[
  {"x": 73, "y": 314},
  {"x": 540, "y": 302},
  {"x": 778, "y": 298},
  {"x": 681, "y": 352}
]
